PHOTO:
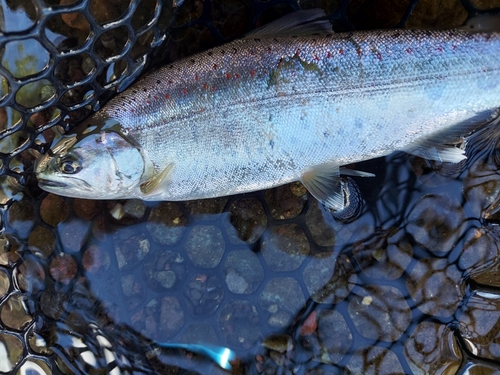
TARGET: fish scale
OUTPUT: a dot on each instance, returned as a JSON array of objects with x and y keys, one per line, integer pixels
[{"x": 261, "y": 112}]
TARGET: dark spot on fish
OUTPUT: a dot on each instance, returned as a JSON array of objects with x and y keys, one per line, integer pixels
[
  {"x": 235, "y": 50},
  {"x": 145, "y": 89},
  {"x": 326, "y": 134},
  {"x": 209, "y": 53},
  {"x": 256, "y": 40},
  {"x": 222, "y": 52},
  {"x": 271, "y": 143},
  {"x": 158, "y": 81},
  {"x": 193, "y": 61},
  {"x": 134, "y": 91},
  {"x": 396, "y": 35},
  {"x": 171, "y": 67}
]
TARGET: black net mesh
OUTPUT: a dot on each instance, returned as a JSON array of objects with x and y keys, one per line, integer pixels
[{"x": 58, "y": 60}]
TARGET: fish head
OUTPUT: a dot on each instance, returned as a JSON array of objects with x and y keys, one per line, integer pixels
[{"x": 98, "y": 165}]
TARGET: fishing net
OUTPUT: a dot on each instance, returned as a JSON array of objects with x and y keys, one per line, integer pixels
[{"x": 60, "y": 61}]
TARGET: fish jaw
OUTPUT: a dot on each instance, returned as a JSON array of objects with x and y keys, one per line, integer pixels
[{"x": 99, "y": 165}]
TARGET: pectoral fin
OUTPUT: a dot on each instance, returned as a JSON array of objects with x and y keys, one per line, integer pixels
[{"x": 158, "y": 182}]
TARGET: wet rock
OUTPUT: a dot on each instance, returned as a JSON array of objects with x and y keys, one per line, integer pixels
[
  {"x": 30, "y": 276},
  {"x": 240, "y": 324},
  {"x": 380, "y": 312},
  {"x": 480, "y": 256},
  {"x": 166, "y": 278},
  {"x": 435, "y": 286},
  {"x": 43, "y": 240},
  {"x": 171, "y": 317},
  {"x": 329, "y": 279},
  {"x": 279, "y": 342},
  {"x": 73, "y": 234},
  {"x": 86, "y": 209},
  {"x": 385, "y": 256},
  {"x": 131, "y": 251},
  {"x": 479, "y": 325},
  {"x": 334, "y": 336},
  {"x": 243, "y": 272},
  {"x": 282, "y": 298},
  {"x": 63, "y": 268},
  {"x": 433, "y": 349},
  {"x": 53, "y": 210},
  {"x": 134, "y": 209},
  {"x": 285, "y": 247},
  {"x": 436, "y": 223},
  {"x": 20, "y": 217},
  {"x": 96, "y": 260},
  {"x": 485, "y": 4},
  {"x": 4, "y": 284},
  {"x": 10, "y": 249},
  {"x": 206, "y": 209},
  {"x": 377, "y": 14},
  {"x": 154, "y": 269},
  {"x": 133, "y": 291},
  {"x": 204, "y": 294},
  {"x": 205, "y": 246},
  {"x": 37, "y": 343},
  {"x": 166, "y": 223},
  {"x": 287, "y": 201},
  {"x": 322, "y": 228},
  {"x": 438, "y": 14},
  {"x": 15, "y": 312},
  {"x": 14, "y": 352},
  {"x": 372, "y": 360},
  {"x": 247, "y": 220}
]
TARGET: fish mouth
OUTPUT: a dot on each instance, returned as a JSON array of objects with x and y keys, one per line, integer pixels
[{"x": 49, "y": 183}]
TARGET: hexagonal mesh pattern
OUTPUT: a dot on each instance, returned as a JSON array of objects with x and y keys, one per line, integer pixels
[
  {"x": 85, "y": 286},
  {"x": 59, "y": 58}
]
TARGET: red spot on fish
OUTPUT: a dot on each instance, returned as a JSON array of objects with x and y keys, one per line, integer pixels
[
  {"x": 236, "y": 75},
  {"x": 214, "y": 88},
  {"x": 214, "y": 66},
  {"x": 269, "y": 50},
  {"x": 328, "y": 55},
  {"x": 132, "y": 110},
  {"x": 279, "y": 63},
  {"x": 205, "y": 86},
  {"x": 167, "y": 96},
  {"x": 147, "y": 102},
  {"x": 358, "y": 51},
  {"x": 203, "y": 109},
  {"x": 379, "y": 55},
  {"x": 297, "y": 52},
  {"x": 252, "y": 73},
  {"x": 196, "y": 77},
  {"x": 155, "y": 97},
  {"x": 185, "y": 91},
  {"x": 316, "y": 58},
  {"x": 454, "y": 47},
  {"x": 228, "y": 75},
  {"x": 440, "y": 49},
  {"x": 170, "y": 82},
  {"x": 409, "y": 50},
  {"x": 341, "y": 51}
]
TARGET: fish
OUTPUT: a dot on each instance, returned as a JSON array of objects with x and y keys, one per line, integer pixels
[{"x": 292, "y": 101}]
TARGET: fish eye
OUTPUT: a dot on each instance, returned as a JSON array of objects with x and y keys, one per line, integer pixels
[{"x": 69, "y": 166}]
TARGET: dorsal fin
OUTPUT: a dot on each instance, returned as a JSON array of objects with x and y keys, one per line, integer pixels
[{"x": 302, "y": 22}]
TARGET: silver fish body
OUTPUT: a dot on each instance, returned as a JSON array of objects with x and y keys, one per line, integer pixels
[{"x": 257, "y": 113}]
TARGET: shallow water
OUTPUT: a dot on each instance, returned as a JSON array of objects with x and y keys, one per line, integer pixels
[{"x": 410, "y": 286}]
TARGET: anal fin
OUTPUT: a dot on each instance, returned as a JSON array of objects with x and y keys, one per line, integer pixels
[{"x": 157, "y": 182}]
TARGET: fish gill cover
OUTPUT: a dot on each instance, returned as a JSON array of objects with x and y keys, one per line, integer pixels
[{"x": 411, "y": 286}]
